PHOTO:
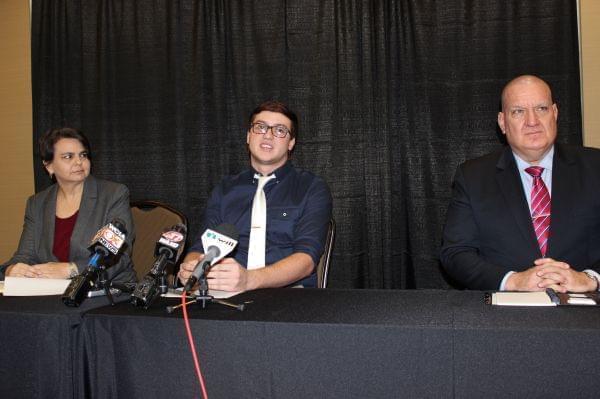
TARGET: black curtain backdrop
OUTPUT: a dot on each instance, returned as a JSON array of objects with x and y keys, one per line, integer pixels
[{"x": 391, "y": 95}]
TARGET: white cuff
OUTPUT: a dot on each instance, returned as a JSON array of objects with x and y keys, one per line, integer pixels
[
  {"x": 503, "y": 282},
  {"x": 595, "y": 275}
]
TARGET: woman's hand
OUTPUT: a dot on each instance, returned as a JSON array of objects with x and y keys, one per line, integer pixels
[
  {"x": 20, "y": 270},
  {"x": 52, "y": 270}
]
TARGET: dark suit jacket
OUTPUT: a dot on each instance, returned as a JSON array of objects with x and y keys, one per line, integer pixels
[
  {"x": 488, "y": 228},
  {"x": 101, "y": 202}
]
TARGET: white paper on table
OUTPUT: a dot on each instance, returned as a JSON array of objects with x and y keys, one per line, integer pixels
[
  {"x": 24, "y": 286},
  {"x": 539, "y": 298}
]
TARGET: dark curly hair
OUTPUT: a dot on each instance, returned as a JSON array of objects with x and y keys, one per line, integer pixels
[{"x": 50, "y": 138}]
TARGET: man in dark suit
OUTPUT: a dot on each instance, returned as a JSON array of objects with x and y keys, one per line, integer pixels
[{"x": 526, "y": 218}]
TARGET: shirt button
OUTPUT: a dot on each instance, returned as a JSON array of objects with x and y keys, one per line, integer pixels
[{"x": 284, "y": 213}]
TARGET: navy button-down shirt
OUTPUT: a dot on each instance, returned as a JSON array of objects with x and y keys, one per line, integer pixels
[{"x": 298, "y": 213}]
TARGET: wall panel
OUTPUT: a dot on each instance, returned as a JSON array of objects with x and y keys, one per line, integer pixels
[{"x": 16, "y": 170}]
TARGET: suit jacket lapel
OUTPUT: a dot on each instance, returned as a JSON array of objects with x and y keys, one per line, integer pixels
[
  {"x": 565, "y": 188},
  {"x": 47, "y": 232},
  {"x": 86, "y": 208},
  {"x": 511, "y": 187}
]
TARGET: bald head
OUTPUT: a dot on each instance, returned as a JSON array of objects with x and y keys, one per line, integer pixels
[
  {"x": 528, "y": 117},
  {"x": 522, "y": 82}
]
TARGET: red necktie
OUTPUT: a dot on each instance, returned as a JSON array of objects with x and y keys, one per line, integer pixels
[{"x": 540, "y": 207}]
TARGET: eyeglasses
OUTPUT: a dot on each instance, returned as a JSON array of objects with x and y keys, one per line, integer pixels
[{"x": 277, "y": 130}]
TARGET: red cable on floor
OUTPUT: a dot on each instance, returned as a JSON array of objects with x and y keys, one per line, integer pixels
[{"x": 192, "y": 346}]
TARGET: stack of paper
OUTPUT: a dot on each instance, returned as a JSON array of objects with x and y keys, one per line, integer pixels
[
  {"x": 23, "y": 286},
  {"x": 540, "y": 298}
]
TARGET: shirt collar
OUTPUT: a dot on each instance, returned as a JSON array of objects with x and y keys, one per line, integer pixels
[
  {"x": 279, "y": 173},
  {"x": 545, "y": 162}
]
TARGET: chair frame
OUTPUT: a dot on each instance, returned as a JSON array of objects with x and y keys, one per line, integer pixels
[
  {"x": 150, "y": 204},
  {"x": 325, "y": 260}
]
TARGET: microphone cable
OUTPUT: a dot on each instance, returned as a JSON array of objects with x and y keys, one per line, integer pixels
[{"x": 192, "y": 346}]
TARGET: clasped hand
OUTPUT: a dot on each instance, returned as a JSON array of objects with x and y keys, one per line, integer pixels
[
  {"x": 41, "y": 270},
  {"x": 550, "y": 273}
]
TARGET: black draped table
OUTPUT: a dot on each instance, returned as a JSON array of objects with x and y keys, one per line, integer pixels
[
  {"x": 39, "y": 344},
  {"x": 299, "y": 343}
]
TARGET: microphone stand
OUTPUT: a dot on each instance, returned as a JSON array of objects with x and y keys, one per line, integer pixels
[
  {"x": 203, "y": 299},
  {"x": 146, "y": 291},
  {"x": 163, "y": 284},
  {"x": 104, "y": 284}
]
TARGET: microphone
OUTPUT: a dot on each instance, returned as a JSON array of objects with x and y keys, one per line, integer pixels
[
  {"x": 104, "y": 247},
  {"x": 217, "y": 244},
  {"x": 168, "y": 250}
]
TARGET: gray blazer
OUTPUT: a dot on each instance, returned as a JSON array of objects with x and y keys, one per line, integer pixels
[{"x": 101, "y": 202}]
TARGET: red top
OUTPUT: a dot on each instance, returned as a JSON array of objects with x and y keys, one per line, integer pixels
[{"x": 63, "y": 229}]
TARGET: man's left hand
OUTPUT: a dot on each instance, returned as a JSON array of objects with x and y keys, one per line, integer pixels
[
  {"x": 562, "y": 278},
  {"x": 229, "y": 275}
]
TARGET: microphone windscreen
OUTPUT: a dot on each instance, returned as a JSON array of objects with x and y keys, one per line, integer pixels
[
  {"x": 228, "y": 230},
  {"x": 180, "y": 227},
  {"x": 119, "y": 224}
]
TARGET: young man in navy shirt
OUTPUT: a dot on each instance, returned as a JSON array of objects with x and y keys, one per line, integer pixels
[{"x": 298, "y": 211}]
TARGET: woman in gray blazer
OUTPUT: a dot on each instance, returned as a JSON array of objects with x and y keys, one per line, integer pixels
[{"x": 61, "y": 220}]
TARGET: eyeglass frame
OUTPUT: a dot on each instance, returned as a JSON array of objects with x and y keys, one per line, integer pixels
[{"x": 270, "y": 127}]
